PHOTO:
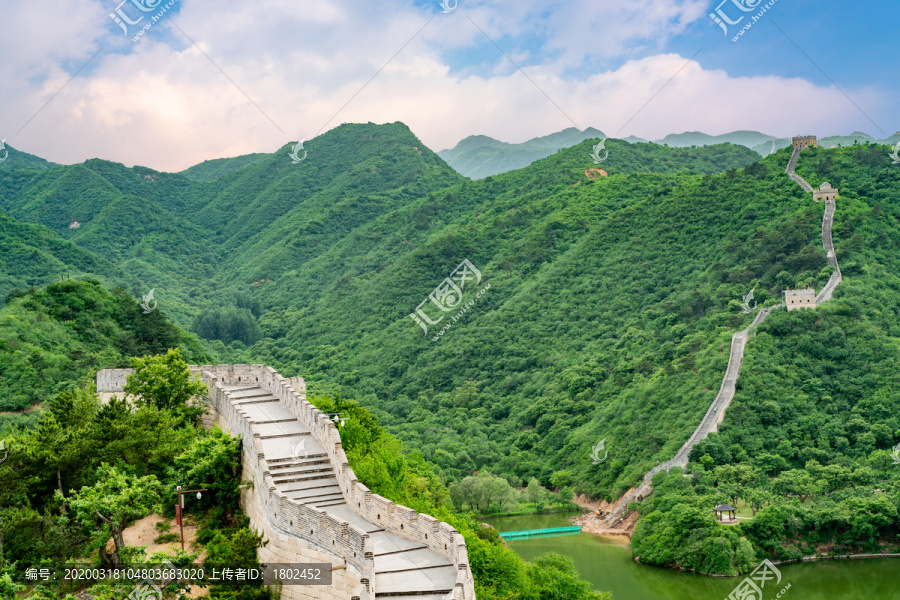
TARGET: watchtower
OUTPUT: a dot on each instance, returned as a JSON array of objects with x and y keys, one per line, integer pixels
[
  {"x": 804, "y": 141},
  {"x": 825, "y": 192},
  {"x": 794, "y": 299}
]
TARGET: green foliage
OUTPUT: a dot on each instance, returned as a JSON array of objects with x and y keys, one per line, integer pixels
[
  {"x": 237, "y": 549},
  {"x": 54, "y": 339},
  {"x": 9, "y": 589},
  {"x": 484, "y": 493},
  {"x": 553, "y": 577},
  {"x": 165, "y": 382},
  {"x": 227, "y": 324},
  {"x": 32, "y": 255},
  {"x": 114, "y": 500},
  {"x": 212, "y": 462}
]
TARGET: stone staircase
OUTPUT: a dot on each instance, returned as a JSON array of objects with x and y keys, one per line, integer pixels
[{"x": 300, "y": 468}]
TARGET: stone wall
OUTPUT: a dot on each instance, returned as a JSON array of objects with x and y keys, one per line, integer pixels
[
  {"x": 298, "y": 533},
  {"x": 112, "y": 380},
  {"x": 400, "y": 520},
  {"x": 794, "y": 299},
  {"x": 804, "y": 141}
]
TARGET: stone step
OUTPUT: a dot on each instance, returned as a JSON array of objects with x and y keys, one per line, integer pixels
[
  {"x": 274, "y": 421},
  {"x": 263, "y": 401},
  {"x": 315, "y": 492},
  {"x": 324, "y": 498},
  {"x": 283, "y": 468},
  {"x": 290, "y": 460},
  {"x": 298, "y": 470},
  {"x": 302, "y": 470},
  {"x": 421, "y": 581},
  {"x": 410, "y": 560},
  {"x": 312, "y": 484},
  {"x": 327, "y": 503},
  {"x": 320, "y": 475}
]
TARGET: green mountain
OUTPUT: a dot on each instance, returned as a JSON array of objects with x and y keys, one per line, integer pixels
[
  {"x": 480, "y": 156},
  {"x": 581, "y": 304},
  {"x": 696, "y": 138},
  {"x": 12, "y": 159},
  {"x": 173, "y": 232},
  {"x": 219, "y": 167}
]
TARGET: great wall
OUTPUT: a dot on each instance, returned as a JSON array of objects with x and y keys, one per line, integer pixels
[
  {"x": 716, "y": 411},
  {"x": 308, "y": 502}
]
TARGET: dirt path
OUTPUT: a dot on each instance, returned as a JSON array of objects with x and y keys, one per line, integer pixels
[
  {"x": 144, "y": 531},
  {"x": 591, "y": 523}
]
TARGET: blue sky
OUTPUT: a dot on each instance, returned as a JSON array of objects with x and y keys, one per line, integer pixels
[{"x": 223, "y": 78}]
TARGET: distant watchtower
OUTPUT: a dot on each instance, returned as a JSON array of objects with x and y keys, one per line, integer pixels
[
  {"x": 794, "y": 299},
  {"x": 825, "y": 192},
  {"x": 804, "y": 141}
]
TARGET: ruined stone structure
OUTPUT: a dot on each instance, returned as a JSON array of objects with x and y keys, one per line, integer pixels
[
  {"x": 794, "y": 299},
  {"x": 825, "y": 192},
  {"x": 308, "y": 503},
  {"x": 804, "y": 141}
]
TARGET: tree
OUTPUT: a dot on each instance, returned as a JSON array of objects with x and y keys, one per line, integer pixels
[
  {"x": 65, "y": 434},
  {"x": 796, "y": 482},
  {"x": 164, "y": 381},
  {"x": 771, "y": 463},
  {"x": 554, "y": 577},
  {"x": 238, "y": 549},
  {"x": 212, "y": 462},
  {"x": 116, "y": 499},
  {"x": 756, "y": 498},
  {"x": 732, "y": 491},
  {"x": 533, "y": 491}
]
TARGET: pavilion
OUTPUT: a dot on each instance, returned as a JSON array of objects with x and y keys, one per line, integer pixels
[{"x": 724, "y": 508}]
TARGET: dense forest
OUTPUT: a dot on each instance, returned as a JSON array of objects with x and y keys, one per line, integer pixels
[
  {"x": 603, "y": 310},
  {"x": 55, "y": 339}
]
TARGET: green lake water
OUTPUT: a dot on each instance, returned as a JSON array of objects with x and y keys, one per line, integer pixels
[{"x": 609, "y": 567}]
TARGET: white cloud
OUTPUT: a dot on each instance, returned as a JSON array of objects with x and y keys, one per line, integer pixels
[{"x": 163, "y": 104}]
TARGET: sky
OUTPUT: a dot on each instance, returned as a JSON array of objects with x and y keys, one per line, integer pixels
[{"x": 216, "y": 79}]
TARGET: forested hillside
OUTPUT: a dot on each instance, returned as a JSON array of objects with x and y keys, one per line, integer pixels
[
  {"x": 480, "y": 156},
  {"x": 55, "y": 338},
  {"x": 807, "y": 442},
  {"x": 612, "y": 295},
  {"x": 187, "y": 238},
  {"x": 32, "y": 255},
  {"x": 21, "y": 160},
  {"x": 609, "y": 306}
]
